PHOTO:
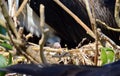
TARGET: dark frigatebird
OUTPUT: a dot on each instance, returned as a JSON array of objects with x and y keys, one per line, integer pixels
[
  {"x": 112, "y": 69},
  {"x": 68, "y": 29}
]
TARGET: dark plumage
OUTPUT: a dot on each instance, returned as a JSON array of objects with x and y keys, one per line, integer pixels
[
  {"x": 112, "y": 69},
  {"x": 67, "y": 28}
]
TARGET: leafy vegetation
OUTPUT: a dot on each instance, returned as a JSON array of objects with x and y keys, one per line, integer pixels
[{"x": 107, "y": 55}]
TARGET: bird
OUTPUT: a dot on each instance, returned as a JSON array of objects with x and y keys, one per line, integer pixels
[
  {"x": 30, "y": 22},
  {"x": 65, "y": 27},
  {"x": 70, "y": 32},
  {"x": 111, "y": 69}
]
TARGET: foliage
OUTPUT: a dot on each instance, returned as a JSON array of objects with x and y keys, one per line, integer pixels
[
  {"x": 107, "y": 55},
  {"x": 4, "y": 62},
  {"x": 6, "y": 45}
]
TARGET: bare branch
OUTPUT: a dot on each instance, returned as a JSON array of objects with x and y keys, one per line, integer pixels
[{"x": 87, "y": 29}]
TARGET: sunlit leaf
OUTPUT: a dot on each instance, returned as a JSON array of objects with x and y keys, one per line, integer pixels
[
  {"x": 107, "y": 55},
  {"x": 6, "y": 45},
  {"x": 103, "y": 56}
]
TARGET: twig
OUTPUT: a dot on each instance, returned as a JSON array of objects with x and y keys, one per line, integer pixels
[
  {"x": 8, "y": 19},
  {"x": 7, "y": 38},
  {"x": 20, "y": 33},
  {"x": 103, "y": 36},
  {"x": 19, "y": 46},
  {"x": 6, "y": 15},
  {"x": 87, "y": 29},
  {"x": 117, "y": 10},
  {"x": 96, "y": 34},
  {"x": 9, "y": 25},
  {"x": 108, "y": 27},
  {"x": 21, "y": 8},
  {"x": 22, "y": 51},
  {"x": 44, "y": 32},
  {"x": 91, "y": 15},
  {"x": 80, "y": 44},
  {"x": 92, "y": 20}
]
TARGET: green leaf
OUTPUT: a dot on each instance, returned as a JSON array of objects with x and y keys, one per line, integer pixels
[
  {"x": 6, "y": 45},
  {"x": 107, "y": 55},
  {"x": 10, "y": 59},
  {"x": 103, "y": 56},
  {"x": 3, "y": 63},
  {"x": 110, "y": 55}
]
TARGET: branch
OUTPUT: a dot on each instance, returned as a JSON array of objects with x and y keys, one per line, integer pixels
[
  {"x": 108, "y": 27},
  {"x": 44, "y": 34},
  {"x": 117, "y": 10},
  {"x": 8, "y": 19},
  {"x": 21, "y": 8},
  {"x": 91, "y": 15},
  {"x": 87, "y": 29}
]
